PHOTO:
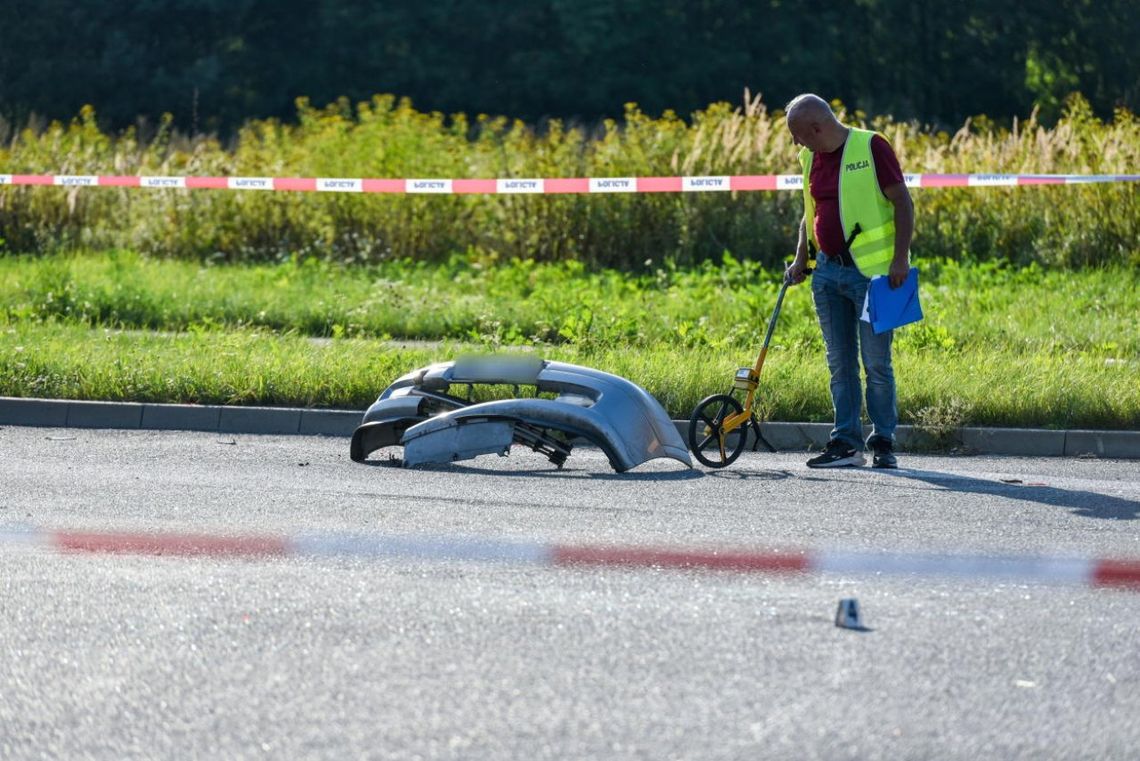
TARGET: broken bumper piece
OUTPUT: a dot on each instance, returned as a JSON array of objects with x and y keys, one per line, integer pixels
[{"x": 566, "y": 404}]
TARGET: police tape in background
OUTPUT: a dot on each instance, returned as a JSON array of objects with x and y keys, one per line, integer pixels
[
  {"x": 1090, "y": 572},
  {"x": 702, "y": 184}
]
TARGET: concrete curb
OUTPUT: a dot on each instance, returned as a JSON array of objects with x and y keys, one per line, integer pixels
[
  {"x": 1029, "y": 442},
  {"x": 62, "y": 413}
]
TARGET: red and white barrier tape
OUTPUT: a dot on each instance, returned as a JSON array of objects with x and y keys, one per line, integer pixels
[
  {"x": 704, "y": 184},
  {"x": 1090, "y": 572}
]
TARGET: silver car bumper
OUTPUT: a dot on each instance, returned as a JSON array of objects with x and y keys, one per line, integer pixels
[{"x": 420, "y": 412}]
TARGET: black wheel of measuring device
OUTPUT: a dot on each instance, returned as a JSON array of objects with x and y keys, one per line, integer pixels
[{"x": 705, "y": 431}]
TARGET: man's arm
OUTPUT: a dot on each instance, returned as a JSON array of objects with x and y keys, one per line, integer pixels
[
  {"x": 899, "y": 197},
  {"x": 795, "y": 272}
]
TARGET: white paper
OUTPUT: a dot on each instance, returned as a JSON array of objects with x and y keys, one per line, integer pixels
[{"x": 866, "y": 316}]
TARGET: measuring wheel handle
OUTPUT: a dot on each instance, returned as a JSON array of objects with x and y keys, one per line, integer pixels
[{"x": 708, "y": 439}]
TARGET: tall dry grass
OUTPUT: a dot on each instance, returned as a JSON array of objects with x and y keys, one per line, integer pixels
[{"x": 1068, "y": 226}]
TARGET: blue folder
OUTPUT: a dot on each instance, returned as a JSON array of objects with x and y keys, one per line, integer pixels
[{"x": 889, "y": 308}]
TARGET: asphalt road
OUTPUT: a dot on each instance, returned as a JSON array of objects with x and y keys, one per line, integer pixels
[{"x": 117, "y": 656}]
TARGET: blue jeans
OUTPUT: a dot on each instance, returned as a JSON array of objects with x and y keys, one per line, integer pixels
[{"x": 838, "y": 293}]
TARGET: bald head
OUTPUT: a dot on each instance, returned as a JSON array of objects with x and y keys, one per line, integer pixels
[
  {"x": 813, "y": 124},
  {"x": 808, "y": 106}
]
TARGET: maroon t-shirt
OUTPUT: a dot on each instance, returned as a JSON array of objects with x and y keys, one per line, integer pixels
[{"x": 825, "y": 190}]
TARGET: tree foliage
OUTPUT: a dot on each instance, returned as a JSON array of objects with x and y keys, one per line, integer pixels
[{"x": 213, "y": 64}]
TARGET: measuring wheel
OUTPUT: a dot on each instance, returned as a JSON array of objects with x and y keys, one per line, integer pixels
[{"x": 707, "y": 437}]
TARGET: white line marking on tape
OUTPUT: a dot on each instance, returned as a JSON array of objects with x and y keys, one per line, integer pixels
[
  {"x": 520, "y": 185},
  {"x": 789, "y": 182},
  {"x": 912, "y": 180},
  {"x": 5, "y": 179},
  {"x": 162, "y": 182},
  {"x": 1087, "y": 178},
  {"x": 991, "y": 180},
  {"x": 699, "y": 184},
  {"x": 75, "y": 180},
  {"x": 250, "y": 183},
  {"x": 613, "y": 184},
  {"x": 424, "y": 548},
  {"x": 20, "y": 535},
  {"x": 1055, "y": 570},
  {"x": 340, "y": 185},
  {"x": 427, "y": 186}
]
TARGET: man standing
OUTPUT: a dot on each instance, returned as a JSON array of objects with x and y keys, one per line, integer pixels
[{"x": 859, "y": 217}]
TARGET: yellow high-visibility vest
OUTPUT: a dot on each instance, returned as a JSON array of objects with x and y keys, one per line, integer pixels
[{"x": 861, "y": 201}]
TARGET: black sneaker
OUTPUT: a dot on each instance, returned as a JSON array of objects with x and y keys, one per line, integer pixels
[
  {"x": 884, "y": 454},
  {"x": 838, "y": 454}
]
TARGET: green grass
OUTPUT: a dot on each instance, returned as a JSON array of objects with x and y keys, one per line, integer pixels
[
  {"x": 57, "y": 360},
  {"x": 999, "y": 346},
  {"x": 1027, "y": 310},
  {"x": 976, "y": 387}
]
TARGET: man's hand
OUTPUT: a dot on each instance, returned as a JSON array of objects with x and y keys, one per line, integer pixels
[
  {"x": 796, "y": 272},
  {"x": 898, "y": 272}
]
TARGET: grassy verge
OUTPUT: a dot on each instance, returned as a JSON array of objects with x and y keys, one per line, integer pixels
[
  {"x": 1016, "y": 310},
  {"x": 979, "y": 387}
]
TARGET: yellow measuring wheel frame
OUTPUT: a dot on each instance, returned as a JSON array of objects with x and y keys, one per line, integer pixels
[{"x": 717, "y": 417}]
